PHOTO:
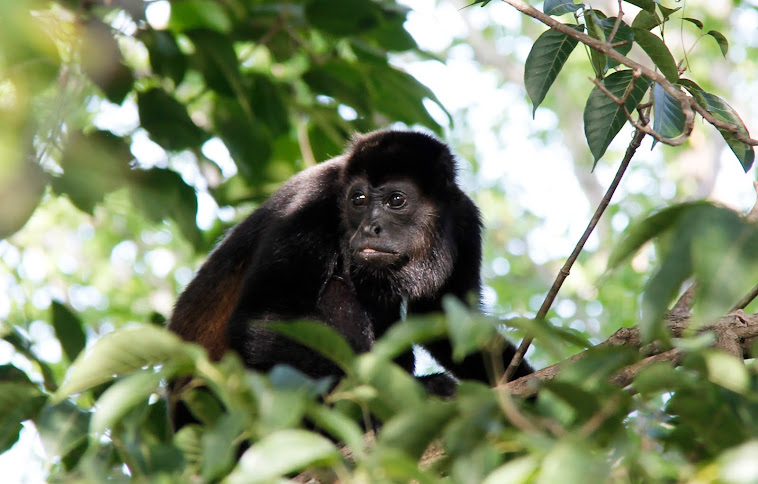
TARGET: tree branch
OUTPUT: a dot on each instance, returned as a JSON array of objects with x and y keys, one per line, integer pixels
[{"x": 734, "y": 334}]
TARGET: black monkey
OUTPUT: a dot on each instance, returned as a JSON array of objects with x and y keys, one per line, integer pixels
[{"x": 352, "y": 243}]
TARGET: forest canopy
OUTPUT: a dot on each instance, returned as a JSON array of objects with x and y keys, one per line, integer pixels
[{"x": 610, "y": 148}]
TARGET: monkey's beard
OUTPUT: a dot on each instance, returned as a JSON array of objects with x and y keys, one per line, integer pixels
[{"x": 421, "y": 274}]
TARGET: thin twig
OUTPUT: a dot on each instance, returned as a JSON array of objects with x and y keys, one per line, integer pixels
[
  {"x": 684, "y": 304},
  {"x": 746, "y": 300},
  {"x": 616, "y": 24},
  {"x": 566, "y": 269},
  {"x": 751, "y": 216}
]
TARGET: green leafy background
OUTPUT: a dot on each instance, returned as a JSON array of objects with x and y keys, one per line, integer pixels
[{"x": 127, "y": 148}]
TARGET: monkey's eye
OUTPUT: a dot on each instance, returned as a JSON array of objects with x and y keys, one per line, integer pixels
[
  {"x": 396, "y": 200},
  {"x": 358, "y": 199}
]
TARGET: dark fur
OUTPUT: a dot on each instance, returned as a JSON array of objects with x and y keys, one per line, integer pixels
[{"x": 292, "y": 259}]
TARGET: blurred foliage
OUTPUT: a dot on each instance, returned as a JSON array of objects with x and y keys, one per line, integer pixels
[{"x": 124, "y": 120}]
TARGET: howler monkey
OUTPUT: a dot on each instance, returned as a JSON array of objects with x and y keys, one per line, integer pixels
[{"x": 352, "y": 243}]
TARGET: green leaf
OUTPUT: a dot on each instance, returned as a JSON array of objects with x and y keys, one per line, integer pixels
[
  {"x": 69, "y": 330},
  {"x": 592, "y": 18},
  {"x": 401, "y": 96},
  {"x": 199, "y": 14},
  {"x": 658, "y": 378},
  {"x": 738, "y": 457},
  {"x": 123, "y": 352},
  {"x": 188, "y": 441},
  {"x": 327, "y": 131},
  {"x": 412, "y": 431},
  {"x": 203, "y": 405},
  {"x": 285, "y": 377},
  {"x": 216, "y": 59},
  {"x": 646, "y": 5},
  {"x": 167, "y": 121},
  {"x": 400, "y": 338},
  {"x": 725, "y": 259},
  {"x": 94, "y": 164},
  {"x": 21, "y": 189},
  {"x": 645, "y": 230},
  {"x": 338, "y": 425},
  {"x": 726, "y": 370},
  {"x": 156, "y": 420},
  {"x": 401, "y": 468},
  {"x": 103, "y": 63},
  {"x": 665, "y": 11},
  {"x": 708, "y": 419},
  {"x": 694, "y": 90},
  {"x": 723, "y": 43},
  {"x": 559, "y": 7},
  {"x": 248, "y": 140},
  {"x": 546, "y": 59},
  {"x": 624, "y": 33},
  {"x": 676, "y": 265},
  {"x": 658, "y": 53},
  {"x": 121, "y": 397},
  {"x": 269, "y": 104},
  {"x": 20, "y": 400},
  {"x": 668, "y": 115},
  {"x": 570, "y": 462},
  {"x": 30, "y": 55},
  {"x": 282, "y": 453},
  {"x": 652, "y": 6},
  {"x": 23, "y": 346},
  {"x": 62, "y": 428},
  {"x": 645, "y": 20},
  {"x": 340, "y": 80},
  {"x": 697, "y": 23},
  {"x": 11, "y": 374},
  {"x": 163, "y": 459},
  {"x": 166, "y": 58},
  {"x": 724, "y": 112},
  {"x": 282, "y": 409},
  {"x": 716, "y": 246},
  {"x": 468, "y": 331},
  {"x": 161, "y": 194},
  {"x": 397, "y": 390},
  {"x": 665, "y": 283},
  {"x": 218, "y": 455},
  {"x": 516, "y": 471},
  {"x": 343, "y": 19},
  {"x": 390, "y": 34},
  {"x": 319, "y": 337},
  {"x": 603, "y": 118}
]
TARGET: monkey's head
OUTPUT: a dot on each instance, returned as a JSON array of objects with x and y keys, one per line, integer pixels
[{"x": 396, "y": 217}]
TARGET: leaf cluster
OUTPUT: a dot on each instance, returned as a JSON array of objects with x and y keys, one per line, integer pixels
[
  {"x": 280, "y": 84},
  {"x": 105, "y": 418},
  {"x": 620, "y": 86}
]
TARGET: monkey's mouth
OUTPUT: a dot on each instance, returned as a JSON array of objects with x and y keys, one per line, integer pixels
[{"x": 376, "y": 255}]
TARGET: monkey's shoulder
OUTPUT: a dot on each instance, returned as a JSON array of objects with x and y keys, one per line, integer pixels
[{"x": 314, "y": 186}]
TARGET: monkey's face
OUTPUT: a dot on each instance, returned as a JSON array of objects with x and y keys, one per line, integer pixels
[{"x": 388, "y": 223}]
